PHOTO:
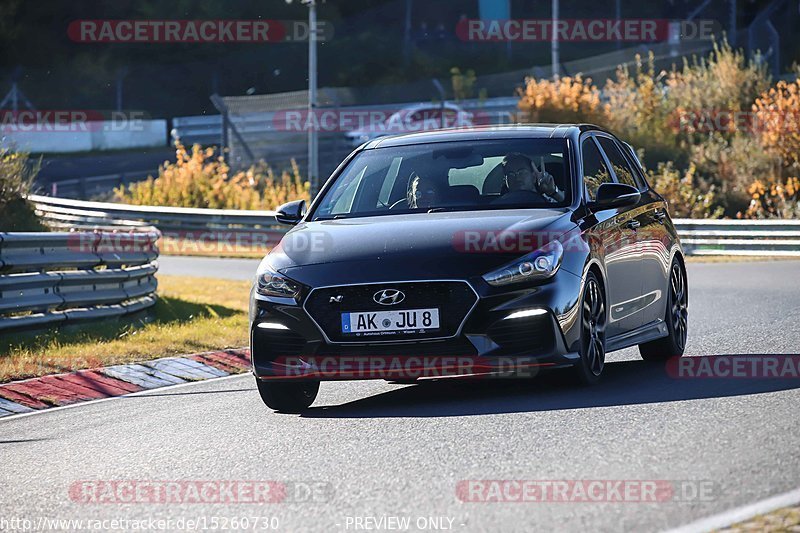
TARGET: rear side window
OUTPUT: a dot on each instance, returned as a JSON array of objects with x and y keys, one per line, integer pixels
[
  {"x": 595, "y": 172},
  {"x": 622, "y": 169}
]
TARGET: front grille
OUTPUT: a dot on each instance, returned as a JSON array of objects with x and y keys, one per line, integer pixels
[
  {"x": 454, "y": 299},
  {"x": 530, "y": 335}
]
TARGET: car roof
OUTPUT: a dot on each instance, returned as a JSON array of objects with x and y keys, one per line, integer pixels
[{"x": 511, "y": 131}]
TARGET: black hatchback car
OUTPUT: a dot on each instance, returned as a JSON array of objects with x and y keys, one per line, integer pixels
[{"x": 479, "y": 252}]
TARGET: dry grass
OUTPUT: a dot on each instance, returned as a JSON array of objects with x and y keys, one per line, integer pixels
[
  {"x": 192, "y": 315},
  {"x": 779, "y": 520}
]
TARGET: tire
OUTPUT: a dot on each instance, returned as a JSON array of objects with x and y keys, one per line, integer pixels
[
  {"x": 288, "y": 396},
  {"x": 676, "y": 318},
  {"x": 594, "y": 317}
]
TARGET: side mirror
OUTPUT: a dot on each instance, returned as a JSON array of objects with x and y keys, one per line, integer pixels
[
  {"x": 612, "y": 195},
  {"x": 291, "y": 213}
]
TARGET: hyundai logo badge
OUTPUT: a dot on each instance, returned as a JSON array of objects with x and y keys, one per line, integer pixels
[{"x": 389, "y": 297}]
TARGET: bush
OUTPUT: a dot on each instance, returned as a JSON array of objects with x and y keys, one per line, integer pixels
[
  {"x": 566, "y": 99},
  {"x": 683, "y": 193},
  {"x": 201, "y": 179},
  {"x": 16, "y": 181},
  {"x": 637, "y": 110},
  {"x": 776, "y": 114},
  {"x": 667, "y": 113},
  {"x": 731, "y": 164},
  {"x": 713, "y": 88},
  {"x": 774, "y": 198},
  {"x": 687, "y": 122}
]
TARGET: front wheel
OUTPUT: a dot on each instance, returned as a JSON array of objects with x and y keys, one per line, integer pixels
[
  {"x": 593, "y": 333},
  {"x": 676, "y": 317},
  {"x": 288, "y": 396}
]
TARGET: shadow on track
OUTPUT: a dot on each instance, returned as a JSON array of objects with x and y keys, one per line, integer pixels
[{"x": 623, "y": 383}]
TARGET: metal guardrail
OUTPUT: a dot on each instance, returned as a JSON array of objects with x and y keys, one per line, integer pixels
[
  {"x": 200, "y": 129},
  {"x": 699, "y": 237},
  {"x": 65, "y": 213},
  {"x": 740, "y": 237},
  {"x": 65, "y": 277}
]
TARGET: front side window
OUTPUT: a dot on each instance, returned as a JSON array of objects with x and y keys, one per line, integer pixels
[
  {"x": 595, "y": 171},
  {"x": 451, "y": 176},
  {"x": 622, "y": 169}
]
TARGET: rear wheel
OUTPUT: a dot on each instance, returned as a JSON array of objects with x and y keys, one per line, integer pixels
[
  {"x": 593, "y": 333},
  {"x": 676, "y": 319},
  {"x": 288, "y": 396}
]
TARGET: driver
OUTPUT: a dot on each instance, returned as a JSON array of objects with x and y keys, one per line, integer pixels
[
  {"x": 521, "y": 175},
  {"x": 422, "y": 193}
]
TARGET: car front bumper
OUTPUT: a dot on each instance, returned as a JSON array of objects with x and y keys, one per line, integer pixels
[{"x": 515, "y": 332}]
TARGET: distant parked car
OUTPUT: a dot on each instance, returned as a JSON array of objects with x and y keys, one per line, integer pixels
[{"x": 410, "y": 119}]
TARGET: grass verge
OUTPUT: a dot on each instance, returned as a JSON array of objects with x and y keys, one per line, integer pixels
[
  {"x": 191, "y": 315},
  {"x": 780, "y": 520}
]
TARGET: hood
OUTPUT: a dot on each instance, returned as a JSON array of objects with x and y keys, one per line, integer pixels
[{"x": 455, "y": 245}]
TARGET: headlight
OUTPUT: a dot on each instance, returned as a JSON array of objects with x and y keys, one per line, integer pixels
[
  {"x": 270, "y": 283},
  {"x": 539, "y": 265}
]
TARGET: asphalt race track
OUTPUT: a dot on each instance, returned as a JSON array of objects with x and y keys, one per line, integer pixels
[{"x": 381, "y": 450}]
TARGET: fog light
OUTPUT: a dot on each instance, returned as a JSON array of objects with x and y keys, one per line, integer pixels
[
  {"x": 270, "y": 325},
  {"x": 526, "y": 313}
]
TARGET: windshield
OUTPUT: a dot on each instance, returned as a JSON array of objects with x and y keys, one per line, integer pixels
[{"x": 451, "y": 176}]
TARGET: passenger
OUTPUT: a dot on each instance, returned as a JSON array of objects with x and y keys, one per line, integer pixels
[
  {"x": 521, "y": 174},
  {"x": 422, "y": 193}
]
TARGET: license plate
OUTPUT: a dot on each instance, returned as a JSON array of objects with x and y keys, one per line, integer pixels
[{"x": 377, "y": 322}]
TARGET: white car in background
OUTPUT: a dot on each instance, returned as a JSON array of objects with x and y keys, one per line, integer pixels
[{"x": 413, "y": 118}]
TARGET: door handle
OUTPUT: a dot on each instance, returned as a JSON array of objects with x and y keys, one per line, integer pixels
[
  {"x": 633, "y": 224},
  {"x": 660, "y": 215}
]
